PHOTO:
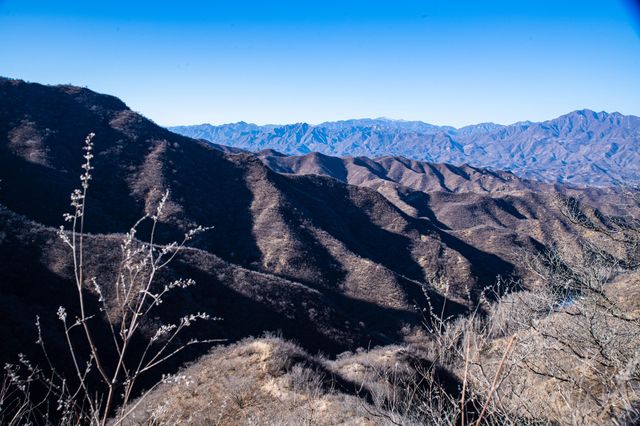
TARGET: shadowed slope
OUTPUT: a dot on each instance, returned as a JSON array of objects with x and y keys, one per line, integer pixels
[
  {"x": 365, "y": 258},
  {"x": 493, "y": 211},
  {"x": 334, "y": 261}
]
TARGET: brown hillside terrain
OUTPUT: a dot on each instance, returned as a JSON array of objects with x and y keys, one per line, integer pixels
[
  {"x": 335, "y": 254},
  {"x": 494, "y": 211},
  {"x": 375, "y": 243}
]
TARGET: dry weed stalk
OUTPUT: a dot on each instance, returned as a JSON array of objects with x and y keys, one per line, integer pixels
[{"x": 104, "y": 385}]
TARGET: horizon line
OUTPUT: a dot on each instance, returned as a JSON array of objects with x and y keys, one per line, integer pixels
[
  {"x": 400, "y": 120},
  {"x": 266, "y": 124}
]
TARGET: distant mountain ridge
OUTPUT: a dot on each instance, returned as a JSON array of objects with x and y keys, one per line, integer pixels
[{"x": 582, "y": 147}]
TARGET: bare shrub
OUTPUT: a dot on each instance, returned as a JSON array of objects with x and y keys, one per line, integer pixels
[{"x": 575, "y": 358}]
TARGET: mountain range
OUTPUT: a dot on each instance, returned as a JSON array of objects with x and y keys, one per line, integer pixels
[
  {"x": 336, "y": 254},
  {"x": 580, "y": 148},
  {"x": 333, "y": 252}
]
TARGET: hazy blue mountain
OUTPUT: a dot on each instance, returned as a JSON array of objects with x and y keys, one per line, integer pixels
[{"x": 582, "y": 147}]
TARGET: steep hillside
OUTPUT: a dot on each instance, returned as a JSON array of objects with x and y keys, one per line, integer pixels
[
  {"x": 494, "y": 211},
  {"x": 344, "y": 243}
]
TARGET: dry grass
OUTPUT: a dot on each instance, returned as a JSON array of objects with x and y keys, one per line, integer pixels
[{"x": 255, "y": 381}]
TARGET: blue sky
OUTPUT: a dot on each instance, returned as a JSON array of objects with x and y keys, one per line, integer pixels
[{"x": 443, "y": 62}]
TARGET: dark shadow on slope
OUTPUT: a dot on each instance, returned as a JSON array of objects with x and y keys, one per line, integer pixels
[
  {"x": 485, "y": 266},
  {"x": 211, "y": 189},
  {"x": 509, "y": 208},
  {"x": 42, "y": 192},
  {"x": 331, "y": 166},
  {"x": 341, "y": 211},
  {"x": 373, "y": 167},
  {"x": 324, "y": 321},
  {"x": 420, "y": 201},
  {"x": 441, "y": 179},
  {"x": 354, "y": 228},
  {"x": 328, "y": 271}
]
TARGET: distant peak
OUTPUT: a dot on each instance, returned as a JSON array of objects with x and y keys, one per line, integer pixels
[
  {"x": 383, "y": 123},
  {"x": 588, "y": 113}
]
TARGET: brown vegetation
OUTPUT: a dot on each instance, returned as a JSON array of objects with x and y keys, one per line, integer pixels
[{"x": 334, "y": 267}]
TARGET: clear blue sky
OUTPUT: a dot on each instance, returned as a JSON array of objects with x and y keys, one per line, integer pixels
[{"x": 444, "y": 62}]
